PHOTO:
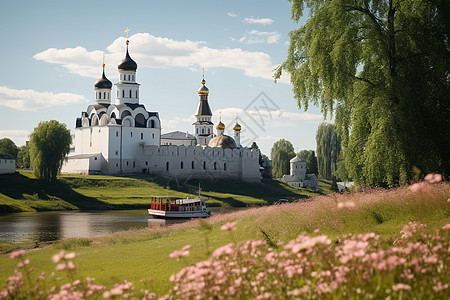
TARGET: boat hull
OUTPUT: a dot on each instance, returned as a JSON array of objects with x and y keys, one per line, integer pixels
[{"x": 161, "y": 214}]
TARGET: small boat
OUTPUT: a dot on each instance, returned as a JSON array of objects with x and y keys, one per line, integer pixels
[{"x": 178, "y": 208}]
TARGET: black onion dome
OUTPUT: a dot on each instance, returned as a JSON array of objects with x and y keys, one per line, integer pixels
[
  {"x": 127, "y": 64},
  {"x": 103, "y": 83}
]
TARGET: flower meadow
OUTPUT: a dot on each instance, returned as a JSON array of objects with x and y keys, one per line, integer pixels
[{"x": 413, "y": 264}]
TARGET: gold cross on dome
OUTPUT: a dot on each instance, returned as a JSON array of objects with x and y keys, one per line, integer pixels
[
  {"x": 103, "y": 59},
  {"x": 203, "y": 73},
  {"x": 127, "y": 32},
  {"x": 220, "y": 115}
]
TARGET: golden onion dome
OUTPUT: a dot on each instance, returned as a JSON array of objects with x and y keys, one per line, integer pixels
[
  {"x": 222, "y": 141},
  {"x": 203, "y": 90},
  {"x": 220, "y": 126},
  {"x": 237, "y": 127}
]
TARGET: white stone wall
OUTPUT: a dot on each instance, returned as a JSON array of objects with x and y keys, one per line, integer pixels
[
  {"x": 7, "y": 166},
  {"x": 201, "y": 162}
]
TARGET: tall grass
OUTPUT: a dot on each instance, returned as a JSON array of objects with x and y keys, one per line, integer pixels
[{"x": 139, "y": 255}]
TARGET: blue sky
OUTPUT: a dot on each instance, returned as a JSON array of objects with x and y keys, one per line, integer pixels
[{"x": 51, "y": 56}]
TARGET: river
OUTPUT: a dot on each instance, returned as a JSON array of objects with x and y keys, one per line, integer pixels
[{"x": 56, "y": 225}]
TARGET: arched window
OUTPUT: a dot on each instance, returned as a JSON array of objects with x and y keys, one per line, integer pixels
[
  {"x": 215, "y": 166},
  {"x": 209, "y": 130},
  {"x": 196, "y": 130},
  {"x": 152, "y": 123},
  {"x": 225, "y": 166},
  {"x": 153, "y": 136},
  {"x": 142, "y": 136},
  {"x": 113, "y": 115},
  {"x": 99, "y": 95},
  {"x": 104, "y": 95},
  {"x": 204, "y": 165},
  {"x": 136, "y": 94},
  {"x": 181, "y": 165},
  {"x": 203, "y": 130},
  {"x": 140, "y": 120},
  {"x": 130, "y": 93},
  {"x": 192, "y": 165},
  {"x": 123, "y": 93},
  {"x": 167, "y": 166}
]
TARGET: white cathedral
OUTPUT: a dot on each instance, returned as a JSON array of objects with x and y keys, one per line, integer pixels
[{"x": 126, "y": 138}]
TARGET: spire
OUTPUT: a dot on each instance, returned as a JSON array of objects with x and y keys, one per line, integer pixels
[
  {"x": 237, "y": 127},
  {"x": 203, "y": 90},
  {"x": 220, "y": 126},
  {"x": 127, "y": 64},
  {"x": 103, "y": 83}
]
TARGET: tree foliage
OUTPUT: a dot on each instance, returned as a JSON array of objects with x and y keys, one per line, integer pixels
[
  {"x": 328, "y": 150},
  {"x": 311, "y": 161},
  {"x": 49, "y": 145},
  {"x": 23, "y": 156},
  {"x": 8, "y": 146},
  {"x": 282, "y": 152},
  {"x": 381, "y": 67}
]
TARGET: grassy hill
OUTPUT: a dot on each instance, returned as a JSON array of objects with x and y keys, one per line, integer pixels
[
  {"x": 23, "y": 192},
  {"x": 141, "y": 254}
]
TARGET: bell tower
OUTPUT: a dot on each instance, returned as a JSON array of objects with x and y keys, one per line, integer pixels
[{"x": 203, "y": 127}]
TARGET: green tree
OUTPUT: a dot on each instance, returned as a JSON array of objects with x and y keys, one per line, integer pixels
[
  {"x": 311, "y": 161},
  {"x": 23, "y": 156},
  {"x": 49, "y": 145},
  {"x": 328, "y": 149},
  {"x": 282, "y": 152},
  {"x": 381, "y": 67},
  {"x": 8, "y": 146},
  {"x": 311, "y": 164}
]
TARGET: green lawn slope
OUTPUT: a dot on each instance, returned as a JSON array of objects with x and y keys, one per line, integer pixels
[
  {"x": 142, "y": 254},
  {"x": 22, "y": 192}
]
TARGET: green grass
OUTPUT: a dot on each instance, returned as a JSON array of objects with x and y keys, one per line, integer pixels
[
  {"x": 141, "y": 254},
  {"x": 22, "y": 192}
]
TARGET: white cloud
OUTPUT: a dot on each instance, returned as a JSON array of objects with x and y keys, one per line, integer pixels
[
  {"x": 157, "y": 52},
  {"x": 260, "y": 37},
  {"x": 19, "y": 137},
  {"x": 264, "y": 21},
  {"x": 230, "y": 14},
  {"x": 30, "y": 100}
]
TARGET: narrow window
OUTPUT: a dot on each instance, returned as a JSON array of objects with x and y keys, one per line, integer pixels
[
  {"x": 196, "y": 130},
  {"x": 132, "y": 78},
  {"x": 225, "y": 166},
  {"x": 167, "y": 166},
  {"x": 130, "y": 93},
  {"x": 117, "y": 152},
  {"x": 117, "y": 93},
  {"x": 215, "y": 166},
  {"x": 209, "y": 130},
  {"x": 204, "y": 165},
  {"x": 181, "y": 165},
  {"x": 134, "y": 164},
  {"x": 192, "y": 165},
  {"x": 142, "y": 136},
  {"x": 203, "y": 130},
  {"x": 104, "y": 95},
  {"x": 117, "y": 165},
  {"x": 117, "y": 133},
  {"x": 99, "y": 95},
  {"x": 131, "y": 134},
  {"x": 127, "y": 163},
  {"x": 123, "y": 93},
  {"x": 153, "y": 136},
  {"x": 136, "y": 94},
  {"x": 146, "y": 163}
]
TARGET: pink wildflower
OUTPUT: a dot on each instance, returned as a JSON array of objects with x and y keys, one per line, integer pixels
[
  {"x": 439, "y": 287},
  {"x": 420, "y": 186},
  {"x": 70, "y": 265},
  {"x": 57, "y": 257},
  {"x": 346, "y": 204},
  {"x": 446, "y": 227},
  {"x": 69, "y": 255},
  {"x": 17, "y": 254},
  {"x": 401, "y": 286},
  {"x": 433, "y": 178},
  {"x": 316, "y": 230},
  {"x": 230, "y": 226},
  {"x": 177, "y": 254},
  {"x": 61, "y": 267}
]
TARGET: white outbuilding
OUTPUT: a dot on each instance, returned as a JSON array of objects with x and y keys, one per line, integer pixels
[
  {"x": 298, "y": 176},
  {"x": 7, "y": 163}
]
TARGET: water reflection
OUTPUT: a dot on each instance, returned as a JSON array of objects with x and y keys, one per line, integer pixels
[{"x": 50, "y": 226}]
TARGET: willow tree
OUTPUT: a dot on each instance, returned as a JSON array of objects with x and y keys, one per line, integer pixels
[
  {"x": 282, "y": 152},
  {"x": 328, "y": 146},
  {"x": 381, "y": 68},
  {"x": 49, "y": 144}
]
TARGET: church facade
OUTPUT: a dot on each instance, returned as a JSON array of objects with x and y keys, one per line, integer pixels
[{"x": 125, "y": 137}]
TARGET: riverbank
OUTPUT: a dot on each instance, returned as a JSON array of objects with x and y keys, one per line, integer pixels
[
  {"x": 142, "y": 254},
  {"x": 22, "y": 192}
]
